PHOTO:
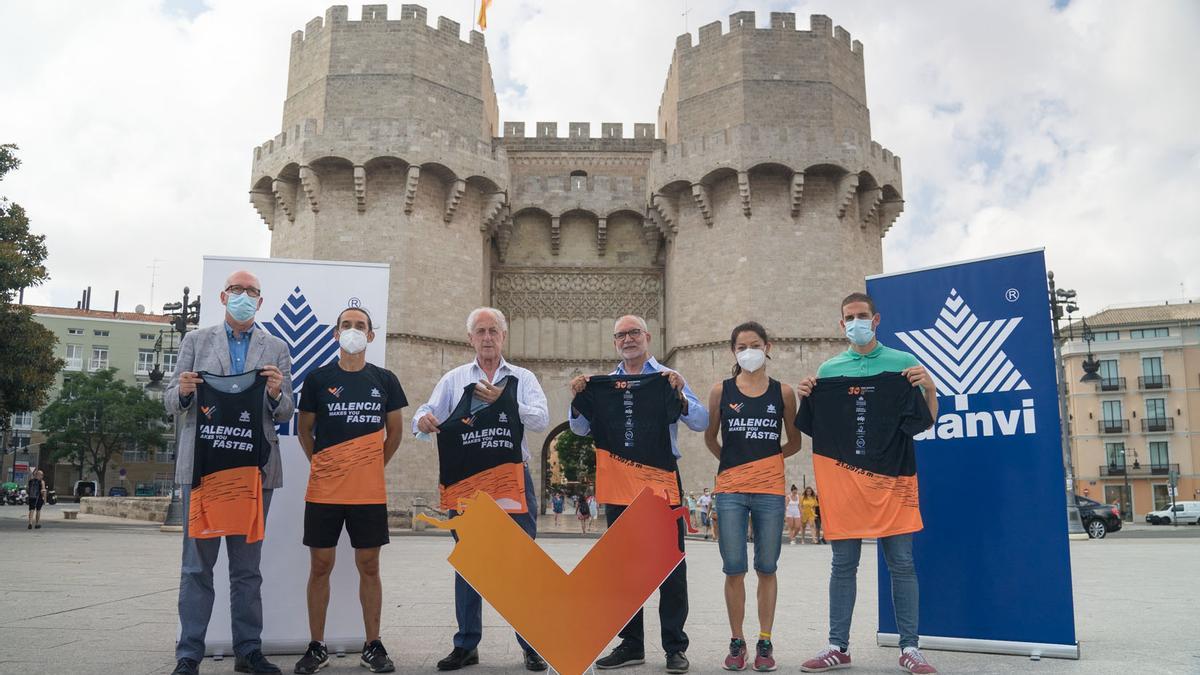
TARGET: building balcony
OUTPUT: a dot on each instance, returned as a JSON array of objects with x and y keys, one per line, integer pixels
[
  {"x": 1111, "y": 384},
  {"x": 1113, "y": 426},
  {"x": 1154, "y": 382},
  {"x": 1157, "y": 424},
  {"x": 1136, "y": 470}
]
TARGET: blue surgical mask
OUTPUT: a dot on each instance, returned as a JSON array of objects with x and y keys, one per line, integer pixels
[
  {"x": 241, "y": 306},
  {"x": 859, "y": 332}
]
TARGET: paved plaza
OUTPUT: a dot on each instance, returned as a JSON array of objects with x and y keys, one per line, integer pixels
[{"x": 98, "y": 595}]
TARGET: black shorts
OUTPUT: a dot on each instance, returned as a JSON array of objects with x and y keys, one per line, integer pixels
[
  {"x": 366, "y": 523},
  {"x": 36, "y": 504}
]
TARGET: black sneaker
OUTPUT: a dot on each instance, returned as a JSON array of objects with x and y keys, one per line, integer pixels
[
  {"x": 316, "y": 658},
  {"x": 458, "y": 658},
  {"x": 186, "y": 667},
  {"x": 255, "y": 662},
  {"x": 623, "y": 655},
  {"x": 534, "y": 661},
  {"x": 677, "y": 663},
  {"x": 375, "y": 658}
]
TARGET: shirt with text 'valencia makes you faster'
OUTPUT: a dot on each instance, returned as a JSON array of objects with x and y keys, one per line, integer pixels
[
  {"x": 230, "y": 450},
  {"x": 751, "y": 440},
  {"x": 351, "y": 410},
  {"x": 631, "y": 418},
  {"x": 479, "y": 450},
  {"x": 863, "y": 454}
]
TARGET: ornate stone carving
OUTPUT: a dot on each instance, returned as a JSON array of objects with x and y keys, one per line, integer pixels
[
  {"x": 700, "y": 194},
  {"x": 743, "y": 179},
  {"x": 562, "y": 294},
  {"x": 360, "y": 188},
  {"x": 264, "y": 204},
  {"x": 285, "y": 197},
  {"x": 410, "y": 187},
  {"x": 847, "y": 188},
  {"x": 797, "y": 192},
  {"x": 311, "y": 183}
]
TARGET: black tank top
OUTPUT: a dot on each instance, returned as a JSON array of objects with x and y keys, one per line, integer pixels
[
  {"x": 479, "y": 450},
  {"x": 751, "y": 440},
  {"x": 229, "y": 424}
]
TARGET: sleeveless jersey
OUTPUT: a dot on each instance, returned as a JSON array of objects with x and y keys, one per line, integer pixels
[
  {"x": 751, "y": 446},
  {"x": 479, "y": 450},
  {"x": 863, "y": 454},
  {"x": 230, "y": 449},
  {"x": 631, "y": 418},
  {"x": 351, "y": 409}
]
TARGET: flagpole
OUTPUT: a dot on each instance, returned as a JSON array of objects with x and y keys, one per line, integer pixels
[{"x": 471, "y": 22}]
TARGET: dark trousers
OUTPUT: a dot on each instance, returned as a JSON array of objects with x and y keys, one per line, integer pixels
[
  {"x": 672, "y": 602},
  {"x": 468, "y": 605}
]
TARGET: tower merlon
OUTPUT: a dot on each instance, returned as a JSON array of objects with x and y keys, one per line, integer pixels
[
  {"x": 783, "y": 20},
  {"x": 373, "y": 15},
  {"x": 740, "y": 20},
  {"x": 744, "y": 22},
  {"x": 581, "y": 130}
]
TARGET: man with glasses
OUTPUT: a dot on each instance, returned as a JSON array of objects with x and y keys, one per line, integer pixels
[
  {"x": 631, "y": 337},
  {"x": 236, "y": 346},
  {"x": 487, "y": 330}
]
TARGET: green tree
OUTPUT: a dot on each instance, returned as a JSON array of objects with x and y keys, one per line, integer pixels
[
  {"x": 27, "y": 361},
  {"x": 576, "y": 456},
  {"x": 97, "y": 416}
]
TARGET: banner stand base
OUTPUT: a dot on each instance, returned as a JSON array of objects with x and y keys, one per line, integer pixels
[{"x": 1030, "y": 649}]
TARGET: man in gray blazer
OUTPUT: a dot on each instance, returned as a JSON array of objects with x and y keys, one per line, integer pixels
[{"x": 234, "y": 347}]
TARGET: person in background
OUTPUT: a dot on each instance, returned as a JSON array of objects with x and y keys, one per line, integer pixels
[
  {"x": 808, "y": 514},
  {"x": 793, "y": 513},
  {"x": 35, "y": 492},
  {"x": 702, "y": 505},
  {"x": 557, "y": 503}
]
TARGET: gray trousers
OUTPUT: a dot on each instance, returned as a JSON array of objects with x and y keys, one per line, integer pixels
[{"x": 196, "y": 589}]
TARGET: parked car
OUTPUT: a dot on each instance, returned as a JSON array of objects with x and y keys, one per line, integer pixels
[
  {"x": 1184, "y": 512},
  {"x": 1098, "y": 519},
  {"x": 118, "y": 491}
]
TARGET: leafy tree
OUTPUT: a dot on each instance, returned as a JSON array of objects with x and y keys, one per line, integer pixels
[
  {"x": 27, "y": 361},
  {"x": 576, "y": 456},
  {"x": 97, "y": 416}
]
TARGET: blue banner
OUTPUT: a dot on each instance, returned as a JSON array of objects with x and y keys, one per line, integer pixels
[{"x": 993, "y": 560}]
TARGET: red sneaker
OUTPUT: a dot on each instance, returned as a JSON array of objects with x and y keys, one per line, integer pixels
[
  {"x": 911, "y": 661},
  {"x": 830, "y": 659},
  {"x": 737, "y": 655},
  {"x": 763, "y": 658}
]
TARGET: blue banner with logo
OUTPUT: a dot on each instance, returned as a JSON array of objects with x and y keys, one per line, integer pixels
[{"x": 992, "y": 561}]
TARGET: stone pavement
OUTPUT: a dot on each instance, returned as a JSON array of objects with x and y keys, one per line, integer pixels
[{"x": 98, "y": 596}]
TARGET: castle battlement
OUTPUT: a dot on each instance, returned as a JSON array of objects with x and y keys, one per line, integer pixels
[
  {"x": 375, "y": 17},
  {"x": 579, "y": 130},
  {"x": 820, "y": 26},
  {"x": 374, "y": 131}
]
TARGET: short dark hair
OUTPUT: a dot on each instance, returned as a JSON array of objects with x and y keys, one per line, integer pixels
[
  {"x": 370, "y": 325},
  {"x": 860, "y": 297}
]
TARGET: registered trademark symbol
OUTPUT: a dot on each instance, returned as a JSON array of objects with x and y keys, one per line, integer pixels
[
  {"x": 353, "y": 302},
  {"x": 1012, "y": 295}
]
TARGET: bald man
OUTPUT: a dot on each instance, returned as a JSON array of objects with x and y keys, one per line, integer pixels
[{"x": 233, "y": 347}]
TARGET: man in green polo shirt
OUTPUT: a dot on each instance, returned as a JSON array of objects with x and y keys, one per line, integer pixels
[{"x": 865, "y": 358}]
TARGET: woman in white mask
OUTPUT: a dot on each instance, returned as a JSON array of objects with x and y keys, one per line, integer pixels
[{"x": 747, "y": 438}]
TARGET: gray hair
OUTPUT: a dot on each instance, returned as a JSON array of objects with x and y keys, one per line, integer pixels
[
  {"x": 640, "y": 322},
  {"x": 475, "y": 314}
]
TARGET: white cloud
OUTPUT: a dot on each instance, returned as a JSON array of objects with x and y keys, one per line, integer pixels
[{"x": 1019, "y": 125}]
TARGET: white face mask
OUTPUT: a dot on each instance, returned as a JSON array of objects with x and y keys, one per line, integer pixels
[
  {"x": 352, "y": 340},
  {"x": 751, "y": 359}
]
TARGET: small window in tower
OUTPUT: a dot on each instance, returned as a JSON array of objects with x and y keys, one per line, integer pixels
[{"x": 578, "y": 180}]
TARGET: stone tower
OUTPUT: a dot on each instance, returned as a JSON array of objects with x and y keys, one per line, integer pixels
[{"x": 762, "y": 196}]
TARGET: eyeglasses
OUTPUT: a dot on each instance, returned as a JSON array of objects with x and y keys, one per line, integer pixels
[
  {"x": 248, "y": 290},
  {"x": 634, "y": 333}
]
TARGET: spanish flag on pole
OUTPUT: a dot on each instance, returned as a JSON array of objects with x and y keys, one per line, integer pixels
[{"x": 483, "y": 8}]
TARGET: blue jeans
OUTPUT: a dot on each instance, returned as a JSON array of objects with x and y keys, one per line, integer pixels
[
  {"x": 765, "y": 515},
  {"x": 468, "y": 605},
  {"x": 196, "y": 589},
  {"x": 897, "y": 552}
]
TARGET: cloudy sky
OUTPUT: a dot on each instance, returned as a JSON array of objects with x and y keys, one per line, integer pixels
[{"x": 1068, "y": 125}]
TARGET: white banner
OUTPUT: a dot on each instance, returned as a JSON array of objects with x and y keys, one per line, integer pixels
[{"x": 301, "y": 301}]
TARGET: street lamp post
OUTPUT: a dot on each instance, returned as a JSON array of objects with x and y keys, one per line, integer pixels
[
  {"x": 1062, "y": 299},
  {"x": 183, "y": 315}
]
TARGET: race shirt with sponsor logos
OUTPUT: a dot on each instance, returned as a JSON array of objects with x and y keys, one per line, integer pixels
[
  {"x": 351, "y": 409},
  {"x": 631, "y": 418},
  {"x": 751, "y": 445},
  {"x": 863, "y": 454},
  {"x": 479, "y": 450},
  {"x": 230, "y": 450}
]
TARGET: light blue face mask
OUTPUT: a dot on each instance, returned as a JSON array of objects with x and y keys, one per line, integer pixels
[
  {"x": 241, "y": 306},
  {"x": 859, "y": 332}
]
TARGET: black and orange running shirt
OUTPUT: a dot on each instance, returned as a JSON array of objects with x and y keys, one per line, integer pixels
[
  {"x": 351, "y": 409},
  {"x": 631, "y": 418},
  {"x": 751, "y": 440},
  {"x": 230, "y": 450},
  {"x": 863, "y": 454},
  {"x": 479, "y": 450}
]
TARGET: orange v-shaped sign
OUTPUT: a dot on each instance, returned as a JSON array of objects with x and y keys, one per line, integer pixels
[{"x": 567, "y": 618}]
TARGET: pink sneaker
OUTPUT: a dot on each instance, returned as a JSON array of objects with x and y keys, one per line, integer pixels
[
  {"x": 764, "y": 659},
  {"x": 737, "y": 655},
  {"x": 911, "y": 661},
  {"x": 830, "y": 659}
]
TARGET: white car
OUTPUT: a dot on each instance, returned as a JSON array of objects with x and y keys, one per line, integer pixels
[{"x": 1184, "y": 512}]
